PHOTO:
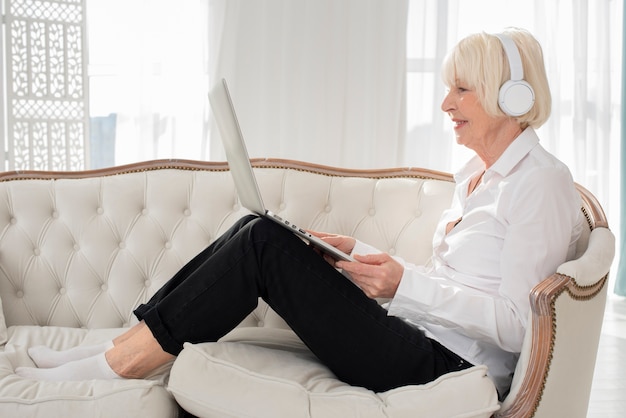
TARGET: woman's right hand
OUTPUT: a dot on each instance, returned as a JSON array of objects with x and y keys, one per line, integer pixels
[{"x": 341, "y": 242}]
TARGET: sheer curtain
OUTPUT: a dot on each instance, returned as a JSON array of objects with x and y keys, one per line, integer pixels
[
  {"x": 319, "y": 80},
  {"x": 620, "y": 284},
  {"x": 148, "y": 66}
]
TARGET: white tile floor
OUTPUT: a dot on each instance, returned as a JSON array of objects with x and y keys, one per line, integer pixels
[{"x": 608, "y": 391}]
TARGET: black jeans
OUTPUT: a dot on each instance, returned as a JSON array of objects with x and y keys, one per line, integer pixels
[{"x": 349, "y": 332}]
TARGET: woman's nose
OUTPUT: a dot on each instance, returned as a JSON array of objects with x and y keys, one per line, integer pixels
[{"x": 447, "y": 103}]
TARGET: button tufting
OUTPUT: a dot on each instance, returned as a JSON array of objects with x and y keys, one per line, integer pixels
[
  {"x": 418, "y": 213},
  {"x": 99, "y": 211},
  {"x": 122, "y": 245},
  {"x": 260, "y": 324},
  {"x": 19, "y": 294},
  {"x": 76, "y": 247},
  {"x": 327, "y": 208},
  {"x": 392, "y": 251},
  {"x": 187, "y": 212},
  {"x": 282, "y": 206},
  {"x": 372, "y": 212},
  {"x": 13, "y": 220},
  {"x": 37, "y": 251},
  {"x": 62, "y": 291},
  {"x": 104, "y": 287},
  {"x": 147, "y": 283},
  {"x": 55, "y": 214},
  {"x": 144, "y": 211},
  {"x": 168, "y": 245},
  {"x": 235, "y": 207}
]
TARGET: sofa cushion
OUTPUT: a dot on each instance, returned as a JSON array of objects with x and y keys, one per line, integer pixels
[
  {"x": 245, "y": 380},
  {"x": 117, "y": 398}
]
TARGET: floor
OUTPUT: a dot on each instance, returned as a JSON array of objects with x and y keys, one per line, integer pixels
[{"x": 608, "y": 391}]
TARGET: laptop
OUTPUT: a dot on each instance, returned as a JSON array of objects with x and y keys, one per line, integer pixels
[{"x": 243, "y": 175}]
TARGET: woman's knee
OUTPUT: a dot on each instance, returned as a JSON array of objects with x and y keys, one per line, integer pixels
[{"x": 262, "y": 227}]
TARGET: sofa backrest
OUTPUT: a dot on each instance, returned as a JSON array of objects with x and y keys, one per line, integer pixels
[{"x": 83, "y": 249}]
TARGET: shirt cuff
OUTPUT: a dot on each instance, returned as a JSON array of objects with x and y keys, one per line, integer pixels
[
  {"x": 362, "y": 248},
  {"x": 412, "y": 296}
]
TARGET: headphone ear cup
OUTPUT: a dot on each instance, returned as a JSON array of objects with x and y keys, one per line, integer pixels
[{"x": 516, "y": 98}]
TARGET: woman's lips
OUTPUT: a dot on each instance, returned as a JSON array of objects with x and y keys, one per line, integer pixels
[{"x": 459, "y": 123}]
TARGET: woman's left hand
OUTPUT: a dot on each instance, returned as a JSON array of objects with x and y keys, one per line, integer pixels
[{"x": 378, "y": 275}]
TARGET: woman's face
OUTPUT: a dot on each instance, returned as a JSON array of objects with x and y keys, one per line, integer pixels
[{"x": 473, "y": 127}]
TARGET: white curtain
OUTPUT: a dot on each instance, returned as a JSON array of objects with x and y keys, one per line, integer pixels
[
  {"x": 582, "y": 45},
  {"x": 148, "y": 66},
  {"x": 316, "y": 80}
]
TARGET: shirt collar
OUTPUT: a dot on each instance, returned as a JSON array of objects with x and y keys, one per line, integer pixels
[{"x": 512, "y": 155}]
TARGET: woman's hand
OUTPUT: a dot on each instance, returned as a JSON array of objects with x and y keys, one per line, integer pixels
[
  {"x": 341, "y": 242},
  {"x": 378, "y": 275}
]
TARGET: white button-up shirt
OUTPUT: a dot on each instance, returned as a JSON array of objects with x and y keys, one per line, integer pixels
[{"x": 517, "y": 227}]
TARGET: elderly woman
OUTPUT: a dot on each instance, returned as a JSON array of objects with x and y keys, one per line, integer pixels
[{"x": 468, "y": 306}]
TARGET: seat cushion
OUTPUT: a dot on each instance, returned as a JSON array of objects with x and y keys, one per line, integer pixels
[
  {"x": 117, "y": 398},
  {"x": 265, "y": 379}
]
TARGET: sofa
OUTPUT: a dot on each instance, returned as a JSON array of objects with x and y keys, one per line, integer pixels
[{"x": 80, "y": 250}]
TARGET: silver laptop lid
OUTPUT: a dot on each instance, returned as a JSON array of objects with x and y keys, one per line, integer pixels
[
  {"x": 241, "y": 169},
  {"x": 234, "y": 145}
]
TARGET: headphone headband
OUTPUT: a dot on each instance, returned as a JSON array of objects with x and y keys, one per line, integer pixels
[{"x": 512, "y": 54}]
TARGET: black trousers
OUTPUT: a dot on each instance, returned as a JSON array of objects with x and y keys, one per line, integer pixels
[{"x": 349, "y": 332}]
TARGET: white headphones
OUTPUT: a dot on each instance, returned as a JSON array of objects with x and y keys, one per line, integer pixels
[{"x": 516, "y": 96}]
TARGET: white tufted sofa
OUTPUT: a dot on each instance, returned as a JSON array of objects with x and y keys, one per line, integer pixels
[{"x": 78, "y": 251}]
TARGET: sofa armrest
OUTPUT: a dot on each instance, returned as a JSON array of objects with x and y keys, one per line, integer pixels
[{"x": 555, "y": 370}]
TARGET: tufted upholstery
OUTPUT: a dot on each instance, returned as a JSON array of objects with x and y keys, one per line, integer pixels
[{"x": 84, "y": 252}]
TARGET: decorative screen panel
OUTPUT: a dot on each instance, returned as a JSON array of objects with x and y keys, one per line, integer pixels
[{"x": 47, "y": 94}]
